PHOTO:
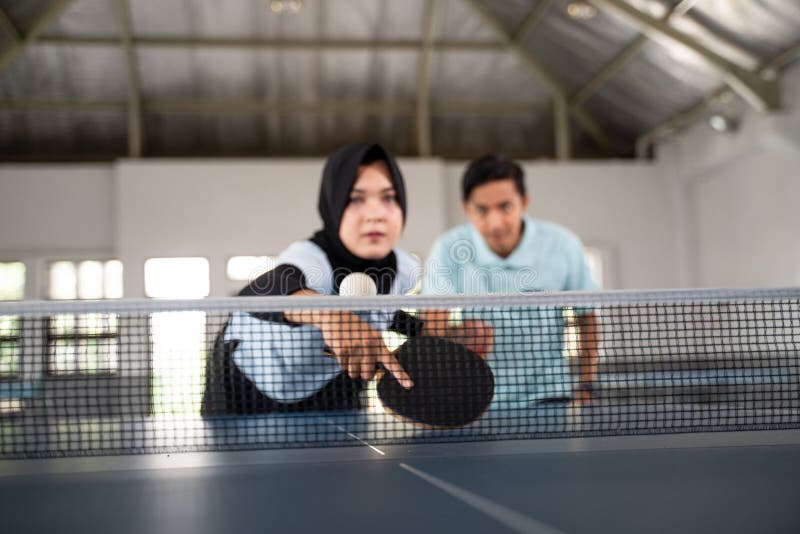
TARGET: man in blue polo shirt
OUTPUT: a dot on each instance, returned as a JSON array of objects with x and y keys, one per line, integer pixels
[{"x": 503, "y": 250}]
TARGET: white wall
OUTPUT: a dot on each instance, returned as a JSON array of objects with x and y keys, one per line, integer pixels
[
  {"x": 57, "y": 208},
  {"x": 52, "y": 212},
  {"x": 740, "y": 198}
]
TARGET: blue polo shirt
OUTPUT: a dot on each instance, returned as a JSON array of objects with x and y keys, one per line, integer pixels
[{"x": 526, "y": 358}]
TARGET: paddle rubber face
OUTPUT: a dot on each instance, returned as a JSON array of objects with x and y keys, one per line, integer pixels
[{"x": 453, "y": 386}]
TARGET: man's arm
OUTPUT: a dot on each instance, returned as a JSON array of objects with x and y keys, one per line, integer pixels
[
  {"x": 589, "y": 336},
  {"x": 475, "y": 334}
]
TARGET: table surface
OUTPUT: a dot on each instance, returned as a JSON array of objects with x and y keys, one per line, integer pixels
[{"x": 692, "y": 482}]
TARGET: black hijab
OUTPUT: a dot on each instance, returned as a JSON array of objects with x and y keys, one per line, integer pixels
[{"x": 338, "y": 178}]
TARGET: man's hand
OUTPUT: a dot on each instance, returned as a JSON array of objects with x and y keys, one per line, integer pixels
[
  {"x": 474, "y": 334},
  {"x": 589, "y": 336}
]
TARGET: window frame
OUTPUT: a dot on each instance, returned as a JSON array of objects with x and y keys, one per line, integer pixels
[
  {"x": 127, "y": 390},
  {"x": 51, "y": 339}
]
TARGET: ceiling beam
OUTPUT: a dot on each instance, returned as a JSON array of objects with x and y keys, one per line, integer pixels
[
  {"x": 706, "y": 30},
  {"x": 532, "y": 19},
  {"x": 561, "y": 127},
  {"x": 423, "y": 82},
  {"x": 9, "y": 28},
  {"x": 589, "y": 125},
  {"x": 411, "y": 45},
  {"x": 261, "y": 106},
  {"x": 135, "y": 134},
  {"x": 681, "y": 8},
  {"x": 61, "y": 105},
  {"x": 784, "y": 58},
  {"x": 42, "y": 22},
  {"x": 758, "y": 92},
  {"x": 608, "y": 71},
  {"x": 690, "y": 114}
]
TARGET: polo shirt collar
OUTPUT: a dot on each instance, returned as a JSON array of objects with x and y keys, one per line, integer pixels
[{"x": 519, "y": 257}]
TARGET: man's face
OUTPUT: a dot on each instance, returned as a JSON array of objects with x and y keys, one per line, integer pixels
[
  {"x": 496, "y": 209},
  {"x": 373, "y": 220}
]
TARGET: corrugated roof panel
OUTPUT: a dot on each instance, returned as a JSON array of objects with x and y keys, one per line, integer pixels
[
  {"x": 270, "y": 133},
  {"x": 573, "y": 51},
  {"x": 399, "y": 72},
  {"x": 24, "y": 14},
  {"x": 87, "y": 18},
  {"x": 349, "y": 75},
  {"x": 404, "y": 20},
  {"x": 648, "y": 90},
  {"x": 484, "y": 77},
  {"x": 251, "y": 19},
  {"x": 197, "y": 73},
  {"x": 481, "y": 99},
  {"x": 48, "y": 133},
  {"x": 83, "y": 73},
  {"x": 206, "y": 18},
  {"x": 332, "y": 131},
  {"x": 455, "y": 20},
  {"x": 6, "y": 41},
  {"x": 185, "y": 134},
  {"x": 296, "y": 75},
  {"x": 764, "y": 26},
  {"x": 371, "y": 20},
  {"x": 470, "y": 136},
  {"x": 510, "y": 13}
]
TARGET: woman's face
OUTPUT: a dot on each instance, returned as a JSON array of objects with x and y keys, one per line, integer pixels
[{"x": 372, "y": 221}]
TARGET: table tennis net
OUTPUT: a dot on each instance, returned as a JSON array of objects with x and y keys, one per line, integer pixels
[{"x": 123, "y": 377}]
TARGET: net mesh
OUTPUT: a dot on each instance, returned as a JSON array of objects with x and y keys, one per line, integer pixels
[{"x": 122, "y": 377}]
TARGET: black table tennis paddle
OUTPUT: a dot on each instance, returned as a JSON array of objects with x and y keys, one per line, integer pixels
[{"x": 453, "y": 386}]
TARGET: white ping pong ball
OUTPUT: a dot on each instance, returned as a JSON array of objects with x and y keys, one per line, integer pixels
[{"x": 357, "y": 285}]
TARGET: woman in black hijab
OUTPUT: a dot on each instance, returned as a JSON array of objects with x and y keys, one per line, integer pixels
[{"x": 275, "y": 361}]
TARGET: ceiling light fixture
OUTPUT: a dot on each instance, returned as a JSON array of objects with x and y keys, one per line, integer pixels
[
  {"x": 580, "y": 10},
  {"x": 286, "y": 6},
  {"x": 722, "y": 124}
]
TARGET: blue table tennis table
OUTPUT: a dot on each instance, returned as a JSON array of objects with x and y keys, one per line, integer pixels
[{"x": 683, "y": 482}]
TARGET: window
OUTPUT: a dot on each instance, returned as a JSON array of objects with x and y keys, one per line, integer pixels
[
  {"x": 176, "y": 278},
  {"x": 82, "y": 344},
  {"x": 247, "y": 268},
  {"x": 12, "y": 280},
  {"x": 87, "y": 344},
  {"x": 88, "y": 279},
  {"x": 12, "y": 287},
  {"x": 178, "y": 337},
  {"x": 10, "y": 346}
]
